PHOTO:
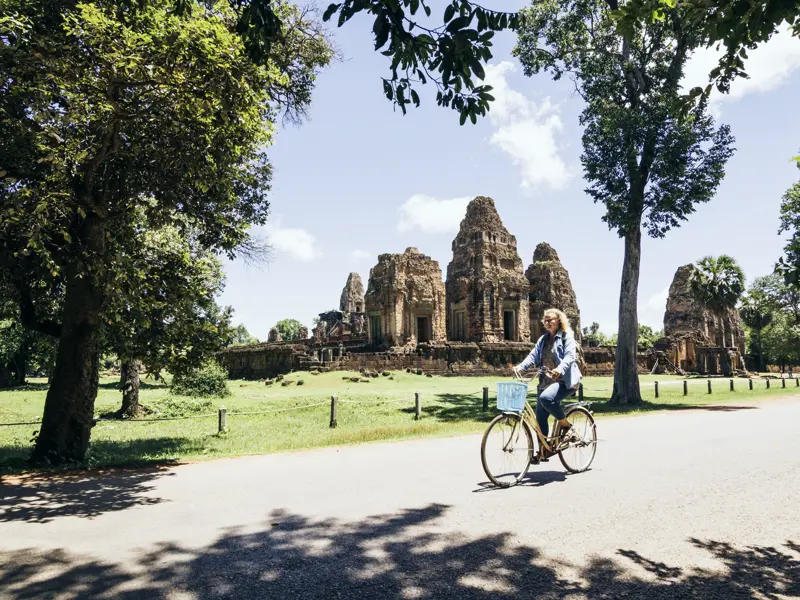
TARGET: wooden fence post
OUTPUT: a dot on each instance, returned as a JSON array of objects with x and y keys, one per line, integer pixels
[
  {"x": 580, "y": 392},
  {"x": 685, "y": 388},
  {"x": 417, "y": 407},
  {"x": 767, "y": 383},
  {"x": 797, "y": 382},
  {"x": 709, "y": 386},
  {"x": 485, "y": 398},
  {"x": 334, "y": 410},
  {"x": 656, "y": 389},
  {"x": 223, "y": 420},
  {"x": 731, "y": 384},
  {"x": 783, "y": 382}
]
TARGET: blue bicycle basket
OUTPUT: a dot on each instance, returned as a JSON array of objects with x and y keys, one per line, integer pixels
[{"x": 511, "y": 396}]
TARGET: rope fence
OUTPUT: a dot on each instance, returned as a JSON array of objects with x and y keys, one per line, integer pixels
[{"x": 222, "y": 413}]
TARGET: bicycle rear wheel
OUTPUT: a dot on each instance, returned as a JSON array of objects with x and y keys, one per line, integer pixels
[
  {"x": 577, "y": 451},
  {"x": 507, "y": 450}
]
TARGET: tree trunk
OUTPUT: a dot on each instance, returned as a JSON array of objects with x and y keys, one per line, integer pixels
[
  {"x": 130, "y": 384},
  {"x": 626, "y": 376},
  {"x": 69, "y": 408},
  {"x": 20, "y": 361},
  {"x": 761, "y": 365}
]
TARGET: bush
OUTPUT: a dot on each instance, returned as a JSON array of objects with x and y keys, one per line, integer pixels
[
  {"x": 208, "y": 381},
  {"x": 173, "y": 406}
]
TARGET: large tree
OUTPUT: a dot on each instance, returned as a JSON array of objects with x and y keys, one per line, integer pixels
[
  {"x": 757, "y": 311},
  {"x": 289, "y": 329},
  {"x": 643, "y": 162},
  {"x": 781, "y": 341},
  {"x": 162, "y": 312},
  {"x": 107, "y": 111}
]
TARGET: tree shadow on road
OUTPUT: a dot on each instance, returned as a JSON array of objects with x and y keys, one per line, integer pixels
[
  {"x": 43, "y": 497},
  {"x": 390, "y": 557}
]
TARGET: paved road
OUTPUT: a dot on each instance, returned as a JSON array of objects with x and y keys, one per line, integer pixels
[{"x": 689, "y": 504}]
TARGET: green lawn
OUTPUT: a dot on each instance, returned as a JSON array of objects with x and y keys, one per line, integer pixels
[{"x": 382, "y": 409}]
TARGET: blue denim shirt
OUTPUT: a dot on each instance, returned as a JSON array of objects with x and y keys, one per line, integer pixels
[{"x": 566, "y": 351}]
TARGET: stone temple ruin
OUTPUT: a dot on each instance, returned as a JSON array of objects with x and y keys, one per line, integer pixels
[
  {"x": 481, "y": 320},
  {"x": 550, "y": 286},
  {"x": 699, "y": 339},
  {"x": 405, "y": 301},
  {"x": 487, "y": 292}
]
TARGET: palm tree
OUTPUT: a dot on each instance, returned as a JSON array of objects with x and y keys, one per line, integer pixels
[
  {"x": 717, "y": 282},
  {"x": 756, "y": 312}
]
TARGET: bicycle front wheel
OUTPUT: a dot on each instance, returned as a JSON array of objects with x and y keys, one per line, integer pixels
[
  {"x": 577, "y": 451},
  {"x": 507, "y": 450}
]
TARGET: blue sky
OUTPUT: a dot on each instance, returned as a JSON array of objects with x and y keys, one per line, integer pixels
[{"x": 359, "y": 179}]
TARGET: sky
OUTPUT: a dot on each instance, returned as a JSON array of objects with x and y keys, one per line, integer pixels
[{"x": 359, "y": 179}]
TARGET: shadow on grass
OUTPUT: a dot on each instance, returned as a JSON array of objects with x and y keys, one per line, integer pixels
[
  {"x": 469, "y": 407},
  {"x": 114, "y": 385},
  {"x": 28, "y": 387},
  {"x": 391, "y": 557},
  {"x": 601, "y": 406},
  {"x": 457, "y": 407}
]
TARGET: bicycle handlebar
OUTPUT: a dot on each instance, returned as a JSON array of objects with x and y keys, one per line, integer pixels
[{"x": 526, "y": 380}]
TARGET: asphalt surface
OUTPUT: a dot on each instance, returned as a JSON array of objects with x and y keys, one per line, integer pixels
[{"x": 686, "y": 504}]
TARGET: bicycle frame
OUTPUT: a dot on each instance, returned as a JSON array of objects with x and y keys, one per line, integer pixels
[{"x": 529, "y": 415}]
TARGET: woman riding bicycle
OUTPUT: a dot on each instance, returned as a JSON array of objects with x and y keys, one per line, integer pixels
[{"x": 555, "y": 352}]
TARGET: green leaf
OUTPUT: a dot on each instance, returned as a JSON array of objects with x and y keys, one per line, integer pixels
[
  {"x": 449, "y": 12},
  {"x": 381, "y": 30},
  {"x": 332, "y": 8},
  {"x": 427, "y": 10},
  {"x": 477, "y": 68},
  {"x": 415, "y": 97},
  {"x": 463, "y": 118},
  {"x": 459, "y": 23}
]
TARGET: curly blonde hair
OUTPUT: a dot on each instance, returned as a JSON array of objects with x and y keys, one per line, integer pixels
[{"x": 563, "y": 320}]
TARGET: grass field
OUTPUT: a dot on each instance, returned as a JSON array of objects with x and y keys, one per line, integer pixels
[{"x": 382, "y": 409}]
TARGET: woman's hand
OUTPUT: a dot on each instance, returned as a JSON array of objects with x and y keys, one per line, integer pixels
[{"x": 555, "y": 374}]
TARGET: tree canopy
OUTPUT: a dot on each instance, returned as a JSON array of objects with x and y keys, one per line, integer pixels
[
  {"x": 789, "y": 263},
  {"x": 241, "y": 337},
  {"x": 289, "y": 329},
  {"x": 738, "y": 25},
  {"x": 717, "y": 282}
]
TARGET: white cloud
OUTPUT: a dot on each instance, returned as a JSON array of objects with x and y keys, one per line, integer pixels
[
  {"x": 432, "y": 215},
  {"x": 357, "y": 256},
  {"x": 651, "y": 311},
  {"x": 658, "y": 302},
  {"x": 526, "y": 131},
  {"x": 769, "y": 66},
  {"x": 297, "y": 243}
]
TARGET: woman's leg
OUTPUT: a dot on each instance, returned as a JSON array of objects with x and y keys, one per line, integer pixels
[
  {"x": 549, "y": 403},
  {"x": 545, "y": 404}
]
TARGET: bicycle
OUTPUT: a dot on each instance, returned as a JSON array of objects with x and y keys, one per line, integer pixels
[{"x": 509, "y": 436}]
